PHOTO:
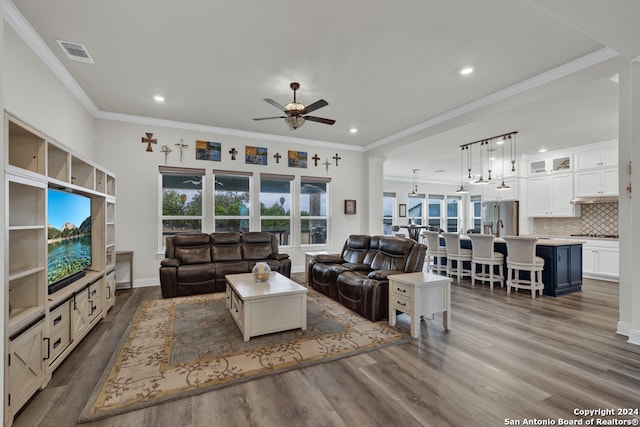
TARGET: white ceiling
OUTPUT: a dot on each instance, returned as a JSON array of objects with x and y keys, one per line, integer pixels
[{"x": 388, "y": 68}]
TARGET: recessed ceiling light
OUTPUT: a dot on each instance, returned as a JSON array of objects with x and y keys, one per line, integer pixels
[
  {"x": 158, "y": 98},
  {"x": 542, "y": 150},
  {"x": 353, "y": 130},
  {"x": 466, "y": 70}
]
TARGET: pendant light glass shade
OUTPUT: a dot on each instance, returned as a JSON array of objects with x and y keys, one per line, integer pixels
[{"x": 462, "y": 190}]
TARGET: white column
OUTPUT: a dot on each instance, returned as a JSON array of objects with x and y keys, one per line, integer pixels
[
  {"x": 629, "y": 136},
  {"x": 375, "y": 189}
]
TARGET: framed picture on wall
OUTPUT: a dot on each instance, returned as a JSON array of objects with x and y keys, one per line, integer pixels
[
  {"x": 402, "y": 210},
  {"x": 350, "y": 207}
]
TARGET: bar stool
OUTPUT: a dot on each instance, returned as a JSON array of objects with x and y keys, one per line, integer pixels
[
  {"x": 482, "y": 253},
  {"x": 457, "y": 254},
  {"x": 521, "y": 255},
  {"x": 435, "y": 252}
]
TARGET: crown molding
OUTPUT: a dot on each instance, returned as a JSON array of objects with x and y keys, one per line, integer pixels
[
  {"x": 24, "y": 29},
  {"x": 571, "y": 67}
]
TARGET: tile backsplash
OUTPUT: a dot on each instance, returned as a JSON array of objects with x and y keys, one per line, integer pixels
[{"x": 599, "y": 218}]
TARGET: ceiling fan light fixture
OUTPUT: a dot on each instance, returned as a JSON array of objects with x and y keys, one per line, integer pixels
[
  {"x": 294, "y": 107},
  {"x": 294, "y": 122}
]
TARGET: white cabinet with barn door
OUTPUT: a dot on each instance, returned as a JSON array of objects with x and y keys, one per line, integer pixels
[{"x": 550, "y": 196}]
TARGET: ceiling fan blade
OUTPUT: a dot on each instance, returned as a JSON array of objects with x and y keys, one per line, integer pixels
[
  {"x": 320, "y": 120},
  {"x": 269, "y": 118},
  {"x": 275, "y": 104},
  {"x": 316, "y": 105}
]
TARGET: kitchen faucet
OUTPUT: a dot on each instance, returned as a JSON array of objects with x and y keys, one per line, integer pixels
[{"x": 499, "y": 224}]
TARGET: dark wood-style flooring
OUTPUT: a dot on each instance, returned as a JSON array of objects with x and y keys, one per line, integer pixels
[{"x": 505, "y": 358}]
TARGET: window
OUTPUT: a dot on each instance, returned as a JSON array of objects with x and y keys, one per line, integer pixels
[
  {"x": 453, "y": 213},
  {"x": 435, "y": 210},
  {"x": 415, "y": 209},
  {"x": 231, "y": 199},
  {"x": 181, "y": 210},
  {"x": 388, "y": 209},
  {"x": 275, "y": 206},
  {"x": 476, "y": 213},
  {"x": 314, "y": 220}
]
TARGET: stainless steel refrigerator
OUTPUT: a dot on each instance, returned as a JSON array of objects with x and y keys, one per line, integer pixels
[{"x": 501, "y": 218}]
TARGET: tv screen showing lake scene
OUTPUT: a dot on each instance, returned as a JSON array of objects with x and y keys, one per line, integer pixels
[{"x": 69, "y": 234}]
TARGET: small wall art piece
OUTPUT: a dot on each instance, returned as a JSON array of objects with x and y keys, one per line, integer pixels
[
  {"x": 207, "y": 150},
  {"x": 149, "y": 139},
  {"x": 350, "y": 207},
  {"x": 256, "y": 155},
  {"x": 297, "y": 159}
]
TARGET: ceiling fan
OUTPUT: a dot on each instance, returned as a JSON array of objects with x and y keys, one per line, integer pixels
[{"x": 296, "y": 112}]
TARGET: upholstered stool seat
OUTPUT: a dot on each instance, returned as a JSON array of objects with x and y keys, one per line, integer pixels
[
  {"x": 521, "y": 256},
  {"x": 457, "y": 254},
  {"x": 435, "y": 253},
  {"x": 484, "y": 255}
]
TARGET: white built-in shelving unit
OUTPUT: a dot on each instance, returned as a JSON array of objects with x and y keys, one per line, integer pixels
[{"x": 41, "y": 329}]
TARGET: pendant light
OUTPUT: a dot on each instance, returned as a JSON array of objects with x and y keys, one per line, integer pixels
[
  {"x": 502, "y": 185},
  {"x": 481, "y": 180},
  {"x": 414, "y": 192},
  {"x": 462, "y": 190}
]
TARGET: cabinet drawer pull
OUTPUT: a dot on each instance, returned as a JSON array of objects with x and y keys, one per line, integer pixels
[
  {"x": 57, "y": 320},
  {"x": 401, "y": 303},
  {"x": 57, "y": 343},
  {"x": 48, "y": 340},
  {"x": 402, "y": 290}
]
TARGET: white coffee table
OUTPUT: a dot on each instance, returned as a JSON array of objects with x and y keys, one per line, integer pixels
[
  {"x": 259, "y": 308},
  {"x": 418, "y": 295}
]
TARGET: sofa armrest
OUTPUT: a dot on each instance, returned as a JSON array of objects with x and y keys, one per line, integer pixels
[
  {"x": 170, "y": 262},
  {"x": 383, "y": 274},
  {"x": 278, "y": 257},
  {"x": 329, "y": 258}
]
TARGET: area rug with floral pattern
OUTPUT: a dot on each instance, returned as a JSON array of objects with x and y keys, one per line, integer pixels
[{"x": 179, "y": 347}]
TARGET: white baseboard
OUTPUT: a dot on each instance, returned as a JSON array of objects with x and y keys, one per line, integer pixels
[
  {"x": 623, "y": 328},
  {"x": 141, "y": 283},
  {"x": 634, "y": 336}
]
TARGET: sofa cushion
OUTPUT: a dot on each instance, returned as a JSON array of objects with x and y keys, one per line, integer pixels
[
  {"x": 393, "y": 254},
  {"x": 256, "y": 245},
  {"x": 193, "y": 255},
  {"x": 231, "y": 267},
  {"x": 225, "y": 247},
  {"x": 200, "y": 273},
  {"x": 355, "y": 248}
]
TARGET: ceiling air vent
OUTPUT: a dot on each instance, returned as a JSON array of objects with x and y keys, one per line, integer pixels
[{"x": 75, "y": 51}]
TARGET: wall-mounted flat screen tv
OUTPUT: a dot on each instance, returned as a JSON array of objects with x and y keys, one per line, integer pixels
[{"x": 69, "y": 237}]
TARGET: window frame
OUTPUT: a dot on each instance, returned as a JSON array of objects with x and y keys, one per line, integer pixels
[
  {"x": 248, "y": 217},
  {"x": 394, "y": 208},
  {"x": 178, "y": 171},
  {"x": 326, "y": 217},
  {"x": 292, "y": 208}
]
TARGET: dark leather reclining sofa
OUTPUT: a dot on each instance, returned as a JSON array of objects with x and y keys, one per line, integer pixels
[
  {"x": 358, "y": 276},
  {"x": 197, "y": 263}
]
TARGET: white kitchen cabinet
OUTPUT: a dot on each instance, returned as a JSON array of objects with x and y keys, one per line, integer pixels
[
  {"x": 550, "y": 165},
  {"x": 490, "y": 194},
  {"x": 597, "y": 182},
  {"x": 550, "y": 196},
  {"x": 601, "y": 259},
  {"x": 600, "y": 158}
]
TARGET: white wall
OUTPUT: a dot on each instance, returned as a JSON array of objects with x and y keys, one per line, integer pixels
[
  {"x": 119, "y": 149},
  {"x": 37, "y": 97}
]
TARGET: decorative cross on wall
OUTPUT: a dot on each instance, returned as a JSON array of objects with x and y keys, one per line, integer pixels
[
  {"x": 277, "y": 156},
  {"x": 326, "y": 166},
  {"x": 166, "y": 150},
  {"x": 315, "y": 160},
  {"x": 233, "y": 153},
  {"x": 181, "y": 146},
  {"x": 336, "y": 158},
  {"x": 149, "y": 140}
]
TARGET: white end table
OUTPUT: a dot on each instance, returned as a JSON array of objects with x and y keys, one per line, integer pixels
[{"x": 420, "y": 294}]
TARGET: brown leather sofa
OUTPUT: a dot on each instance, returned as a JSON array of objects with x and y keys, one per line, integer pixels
[
  {"x": 358, "y": 276},
  {"x": 197, "y": 263}
]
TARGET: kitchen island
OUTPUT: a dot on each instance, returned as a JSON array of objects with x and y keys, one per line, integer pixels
[{"x": 562, "y": 272}]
